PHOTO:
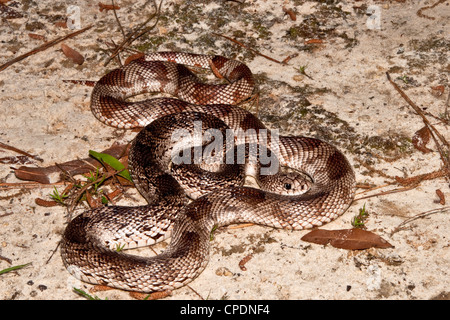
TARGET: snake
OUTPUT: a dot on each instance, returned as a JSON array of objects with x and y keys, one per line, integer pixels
[{"x": 308, "y": 182}]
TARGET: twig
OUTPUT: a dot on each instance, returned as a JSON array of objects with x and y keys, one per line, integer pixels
[
  {"x": 246, "y": 47},
  {"x": 129, "y": 39},
  {"x": 447, "y": 103},
  {"x": 386, "y": 192},
  {"x": 28, "y": 185},
  {"x": 415, "y": 180},
  {"x": 419, "y": 216},
  {"x": 433, "y": 130},
  {"x": 43, "y": 47},
  {"x": 117, "y": 18},
  {"x": 6, "y": 259},
  {"x": 420, "y": 14},
  {"x": 53, "y": 253},
  {"x": 8, "y": 147}
]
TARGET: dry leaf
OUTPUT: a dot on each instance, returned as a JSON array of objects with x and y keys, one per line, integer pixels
[
  {"x": 61, "y": 24},
  {"x": 314, "y": 41},
  {"x": 45, "y": 203},
  {"x": 421, "y": 138},
  {"x": 72, "y": 54},
  {"x": 441, "y": 196},
  {"x": 37, "y": 36},
  {"x": 290, "y": 13},
  {"x": 244, "y": 261},
  {"x": 351, "y": 239},
  {"x": 134, "y": 57},
  {"x": 438, "y": 90}
]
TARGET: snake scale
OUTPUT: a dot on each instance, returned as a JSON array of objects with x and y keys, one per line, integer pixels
[{"x": 313, "y": 182}]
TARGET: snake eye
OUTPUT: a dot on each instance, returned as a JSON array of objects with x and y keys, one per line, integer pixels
[{"x": 287, "y": 186}]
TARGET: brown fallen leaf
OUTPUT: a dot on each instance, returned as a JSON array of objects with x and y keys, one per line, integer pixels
[
  {"x": 351, "y": 239},
  {"x": 133, "y": 57},
  {"x": 290, "y": 13},
  {"x": 438, "y": 90},
  {"x": 421, "y": 138},
  {"x": 441, "y": 196},
  {"x": 244, "y": 261},
  {"x": 45, "y": 203},
  {"x": 37, "y": 36},
  {"x": 72, "y": 54}
]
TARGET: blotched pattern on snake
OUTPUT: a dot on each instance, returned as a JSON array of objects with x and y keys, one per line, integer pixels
[{"x": 307, "y": 183}]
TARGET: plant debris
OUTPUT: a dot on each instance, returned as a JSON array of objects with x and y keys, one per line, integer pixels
[{"x": 350, "y": 239}]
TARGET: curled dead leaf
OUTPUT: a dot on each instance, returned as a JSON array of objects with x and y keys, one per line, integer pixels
[
  {"x": 244, "y": 261},
  {"x": 134, "y": 57},
  {"x": 421, "y": 138},
  {"x": 72, "y": 54},
  {"x": 441, "y": 196},
  {"x": 290, "y": 13},
  {"x": 351, "y": 239}
]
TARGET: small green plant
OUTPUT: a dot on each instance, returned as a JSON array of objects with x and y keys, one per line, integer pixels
[
  {"x": 86, "y": 295},
  {"x": 120, "y": 247},
  {"x": 91, "y": 189},
  {"x": 302, "y": 70},
  {"x": 404, "y": 78},
  {"x": 58, "y": 197},
  {"x": 95, "y": 179},
  {"x": 211, "y": 235},
  {"x": 359, "y": 220}
]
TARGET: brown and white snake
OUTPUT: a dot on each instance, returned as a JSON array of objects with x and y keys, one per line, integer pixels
[{"x": 313, "y": 182}]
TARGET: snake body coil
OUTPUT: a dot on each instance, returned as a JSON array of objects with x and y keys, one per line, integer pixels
[{"x": 317, "y": 188}]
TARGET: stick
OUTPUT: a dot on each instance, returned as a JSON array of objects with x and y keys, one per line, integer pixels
[
  {"x": 43, "y": 47},
  {"x": 433, "y": 130},
  {"x": 128, "y": 40},
  {"x": 386, "y": 192},
  {"x": 246, "y": 47},
  {"x": 8, "y": 147},
  {"x": 420, "y": 215}
]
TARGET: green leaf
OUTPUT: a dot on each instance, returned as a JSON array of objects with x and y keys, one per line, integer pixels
[{"x": 112, "y": 162}]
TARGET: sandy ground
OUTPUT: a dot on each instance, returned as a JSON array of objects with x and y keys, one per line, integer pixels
[{"x": 346, "y": 100}]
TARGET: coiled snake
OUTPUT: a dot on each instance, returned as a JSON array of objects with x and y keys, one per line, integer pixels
[{"x": 312, "y": 184}]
